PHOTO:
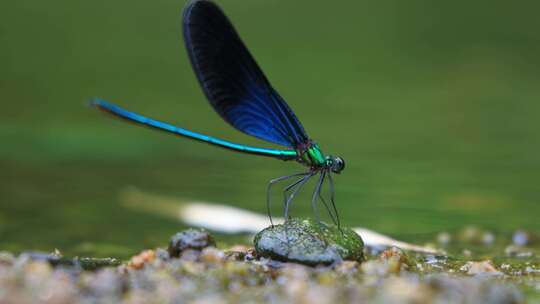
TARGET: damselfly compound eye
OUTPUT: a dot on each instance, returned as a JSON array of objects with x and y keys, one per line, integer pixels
[{"x": 338, "y": 164}]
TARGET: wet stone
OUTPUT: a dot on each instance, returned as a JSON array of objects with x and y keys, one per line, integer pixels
[
  {"x": 196, "y": 239},
  {"x": 310, "y": 243}
]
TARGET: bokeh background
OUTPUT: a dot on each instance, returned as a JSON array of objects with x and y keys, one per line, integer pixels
[{"x": 434, "y": 105}]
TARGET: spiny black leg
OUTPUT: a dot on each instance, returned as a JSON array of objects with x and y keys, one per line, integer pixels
[
  {"x": 297, "y": 188},
  {"x": 331, "y": 183},
  {"x": 269, "y": 188},
  {"x": 292, "y": 186},
  {"x": 328, "y": 209},
  {"x": 314, "y": 199},
  {"x": 289, "y": 187},
  {"x": 324, "y": 173}
]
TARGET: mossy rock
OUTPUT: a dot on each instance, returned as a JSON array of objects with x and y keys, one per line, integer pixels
[{"x": 309, "y": 242}]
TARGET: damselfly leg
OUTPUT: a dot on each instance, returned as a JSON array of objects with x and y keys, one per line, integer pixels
[
  {"x": 326, "y": 206},
  {"x": 269, "y": 188},
  {"x": 295, "y": 187},
  {"x": 314, "y": 198},
  {"x": 290, "y": 192},
  {"x": 332, "y": 200}
]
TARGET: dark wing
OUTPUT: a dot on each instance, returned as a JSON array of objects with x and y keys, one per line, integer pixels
[{"x": 231, "y": 79}]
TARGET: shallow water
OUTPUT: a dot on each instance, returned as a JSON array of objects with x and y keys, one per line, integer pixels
[{"x": 434, "y": 109}]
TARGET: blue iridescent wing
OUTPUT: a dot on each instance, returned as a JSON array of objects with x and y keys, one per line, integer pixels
[{"x": 231, "y": 79}]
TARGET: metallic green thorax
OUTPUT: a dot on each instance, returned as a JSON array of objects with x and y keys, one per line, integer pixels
[{"x": 313, "y": 156}]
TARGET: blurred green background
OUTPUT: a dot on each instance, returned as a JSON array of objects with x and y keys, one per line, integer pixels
[{"x": 434, "y": 106}]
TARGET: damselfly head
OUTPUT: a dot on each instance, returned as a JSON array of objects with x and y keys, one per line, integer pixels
[{"x": 335, "y": 163}]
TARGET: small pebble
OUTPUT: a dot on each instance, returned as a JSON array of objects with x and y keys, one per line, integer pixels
[
  {"x": 518, "y": 252},
  {"x": 480, "y": 268},
  {"x": 197, "y": 239},
  {"x": 162, "y": 254},
  {"x": 347, "y": 267},
  {"x": 138, "y": 261},
  {"x": 190, "y": 255},
  {"x": 396, "y": 260},
  {"x": 240, "y": 248},
  {"x": 488, "y": 238},
  {"x": 212, "y": 255},
  {"x": 470, "y": 234},
  {"x": 444, "y": 238},
  {"x": 6, "y": 258},
  {"x": 520, "y": 238}
]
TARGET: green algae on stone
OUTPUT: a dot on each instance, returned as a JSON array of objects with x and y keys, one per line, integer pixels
[
  {"x": 310, "y": 243},
  {"x": 86, "y": 263}
]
